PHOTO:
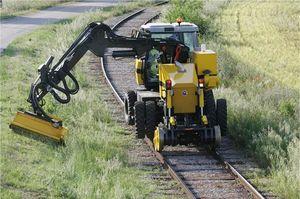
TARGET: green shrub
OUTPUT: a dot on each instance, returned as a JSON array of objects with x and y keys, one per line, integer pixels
[
  {"x": 190, "y": 11},
  {"x": 287, "y": 108}
]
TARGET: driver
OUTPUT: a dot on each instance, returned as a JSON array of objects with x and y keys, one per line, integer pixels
[{"x": 152, "y": 61}]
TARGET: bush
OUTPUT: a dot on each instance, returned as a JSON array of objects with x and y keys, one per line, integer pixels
[
  {"x": 287, "y": 108},
  {"x": 190, "y": 11}
]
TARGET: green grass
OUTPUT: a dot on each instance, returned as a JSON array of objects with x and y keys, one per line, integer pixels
[
  {"x": 11, "y": 8},
  {"x": 258, "y": 55},
  {"x": 94, "y": 163}
]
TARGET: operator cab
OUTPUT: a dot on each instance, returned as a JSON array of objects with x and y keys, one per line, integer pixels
[{"x": 185, "y": 32}]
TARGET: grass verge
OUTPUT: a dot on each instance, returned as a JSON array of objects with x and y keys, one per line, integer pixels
[
  {"x": 94, "y": 164},
  {"x": 258, "y": 56},
  {"x": 12, "y": 8}
]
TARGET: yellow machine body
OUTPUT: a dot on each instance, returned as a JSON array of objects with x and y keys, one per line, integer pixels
[
  {"x": 32, "y": 123},
  {"x": 205, "y": 60},
  {"x": 138, "y": 71},
  {"x": 183, "y": 96},
  {"x": 206, "y": 65}
]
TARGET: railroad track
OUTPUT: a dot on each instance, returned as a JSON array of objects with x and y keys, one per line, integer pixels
[{"x": 200, "y": 173}]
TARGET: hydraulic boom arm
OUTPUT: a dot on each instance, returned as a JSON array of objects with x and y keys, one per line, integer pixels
[{"x": 96, "y": 37}]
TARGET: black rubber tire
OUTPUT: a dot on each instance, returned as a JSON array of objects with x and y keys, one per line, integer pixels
[
  {"x": 129, "y": 100},
  {"x": 139, "y": 115},
  {"x": 210, "y": 108},
  {"x": 221, "y": 113},
  {"x": 151, "y": 119}
]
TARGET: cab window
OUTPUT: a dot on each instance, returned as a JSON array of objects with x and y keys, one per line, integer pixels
[
  {"x": 161, "y": 35},
  {"x": 190, "y": 39}
]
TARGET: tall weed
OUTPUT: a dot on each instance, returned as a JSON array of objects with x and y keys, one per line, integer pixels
[
  {"x": 94, "y": 163},
  {"x": 264, "y": 109}
]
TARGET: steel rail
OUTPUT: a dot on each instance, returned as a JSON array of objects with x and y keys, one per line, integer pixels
[
  {"x": 158, "y": 155},
  {"x": 170, "y": 169},
  {"x": 238, "y": 176}
]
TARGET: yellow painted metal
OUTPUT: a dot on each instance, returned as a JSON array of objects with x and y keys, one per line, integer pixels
[
  {"x": 34, "y": 124},
  {"x": 184, "y": 85},
  {"x": 138, "y": 71},
  {"x": 163, "y": 70},
  {"x": 205, "y": 61},
  {"x": 204, "y": 119},
  {"x": 201, "y": 98},
  {"x": 211, "y": 81},
  {"x": 158, "y": 140},
  {"x": 169, "y": 99},
  {"x": 185, "y": 100},
  {"x": 172, "y": 121}
]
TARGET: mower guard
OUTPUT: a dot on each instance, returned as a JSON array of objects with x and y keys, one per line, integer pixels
[{"x": 30, "y": 122}]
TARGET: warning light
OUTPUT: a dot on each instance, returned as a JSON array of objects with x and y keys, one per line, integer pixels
[
  {"x": 168, "y": 84},
  {"x": 179, "y": 20},
  {"x": 201, "y": 82}
]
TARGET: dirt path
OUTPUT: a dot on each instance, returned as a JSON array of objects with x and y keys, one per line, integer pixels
[{"x": 17, "y": 26}]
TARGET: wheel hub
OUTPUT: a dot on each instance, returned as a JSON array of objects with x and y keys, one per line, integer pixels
[{"x": 158, "y": 140}]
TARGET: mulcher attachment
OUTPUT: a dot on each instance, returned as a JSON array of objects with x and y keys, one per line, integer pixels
[{"x": 30, "y": 122}]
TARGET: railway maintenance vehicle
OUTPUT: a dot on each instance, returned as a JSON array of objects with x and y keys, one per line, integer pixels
[{"x": 173, "y": 102}]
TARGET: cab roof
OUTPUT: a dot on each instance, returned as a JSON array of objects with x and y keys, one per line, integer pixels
[{"x": 169, "y": 27}]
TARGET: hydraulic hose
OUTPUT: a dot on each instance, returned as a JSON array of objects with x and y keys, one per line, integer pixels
[
  {"x": 75, "y": 90},
  {"x": 65, "y": 89},
  {"x": 35, "y": 96},
  {"x": 35, "y": 102}
]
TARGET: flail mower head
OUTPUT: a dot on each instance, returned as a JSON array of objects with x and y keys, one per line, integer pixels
[
  {"x": 32, "y": 123},
  {"x": 39, "y": 122}
]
